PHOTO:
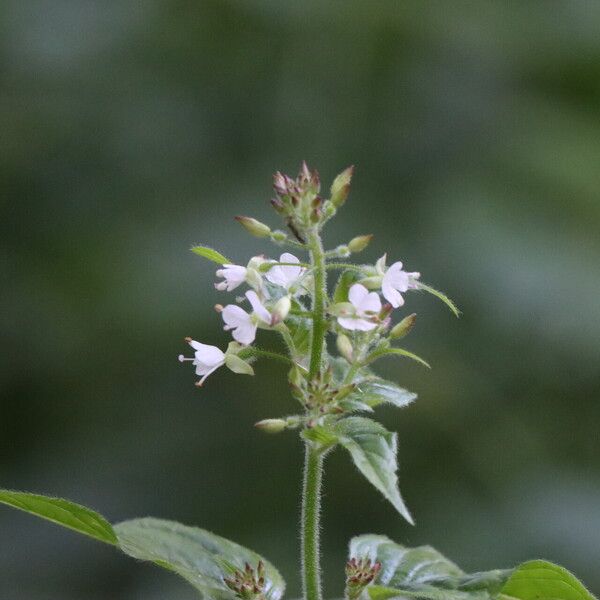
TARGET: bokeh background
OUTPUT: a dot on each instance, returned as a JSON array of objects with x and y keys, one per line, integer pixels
[{"x": 131, "y": 130}]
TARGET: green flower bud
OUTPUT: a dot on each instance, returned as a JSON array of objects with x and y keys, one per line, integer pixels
[
  {"x": 359, "y": 243},
  {"x": 344, "y": 346},
  {"x": 271, "y": 425},
  {"x": 340, "y": 188},
  {"x": 401, "y": 329},
  {"x": 254, "y": 227},
  {"x": 295, "y": 376},
  {"x": 278, "y": 236},
  {"x": 281, "y": 310}
]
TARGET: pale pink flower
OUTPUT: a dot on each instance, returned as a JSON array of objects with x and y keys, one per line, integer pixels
[
  {"x": 285, "y": 275},
  {"x": 243, "y": 325},
  {"x": 396, "y": 282},
  {"x": 206, "y": 359},
  {"x": 367, "y": 305}
]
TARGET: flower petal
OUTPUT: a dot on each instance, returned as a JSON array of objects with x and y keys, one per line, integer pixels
[
  {"x": 357, "y": 294},
  {"x": 234, "y": 316},
  {"x": 354, "y": 324},
  {"x": 262, "y": 313},
  {"x": 208, "y": 355},
  {"x": 244, "y": 334},
  {"x": 391, "y": 295},
  {"x": 371, "y": 303}
]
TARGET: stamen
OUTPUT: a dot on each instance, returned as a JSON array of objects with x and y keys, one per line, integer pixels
[{"x": 182, "y": 358}]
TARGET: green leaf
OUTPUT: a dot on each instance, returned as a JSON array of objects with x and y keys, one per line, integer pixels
[
  {"x": 376, "y": 391},
  {"x": 396, "y": 352},
  {"x": 373, "y": 449},
  {"x": 200, "y": 557},
  {"x": 300, "y": 329},
  {"x": 426, "y": 574},
  {"x": 449, "y": 303},
  {"x": 541, "y": 580},
  {"x": 211, "y": 254},
  {"x": 354, "y": 405},
  {"x": 402, "y": 565},
  {"x": 345, "y": 281},
  {"x": 62, "y": 512}
]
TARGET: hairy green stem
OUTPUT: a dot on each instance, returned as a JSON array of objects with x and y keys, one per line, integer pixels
[
  {"x": 317, "y": 258},
  {"x": 311, "y": 505},
  {"x": 313, "y": 465}
]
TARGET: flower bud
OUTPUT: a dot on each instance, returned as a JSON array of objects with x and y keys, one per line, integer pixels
[
  {"x": 401, "y": 329},
  {"x": 271, "y": 425},
  {"x": 277, "y": 204},
  {"x": 254, "y": 227},
  {"x": 281, "y": 310},
  {"x": 344, "y": 346},
  {"x": 278, "y": 236},
  {"x": 295, "y": 376},
  {"x": 340, "y": 188},
  {"x": 342, "y": 251},
  {"x": 359, "y": 243}
]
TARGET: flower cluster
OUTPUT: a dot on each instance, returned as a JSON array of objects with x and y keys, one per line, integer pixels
[{"x": 288, "y": 296}]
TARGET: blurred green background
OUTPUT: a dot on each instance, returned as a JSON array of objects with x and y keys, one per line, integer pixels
[{"x": 131, "y": 130}]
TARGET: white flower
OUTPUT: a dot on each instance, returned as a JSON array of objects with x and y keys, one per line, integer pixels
[
  {"x": 395, "y": 281},
  {"x": 285, "y": 275},
  {"x": 243, "y": 324},
  {"x": 233, "y": 275},
  {"x": 366, "y": 305},
  {"x": 206, "y": 359}
]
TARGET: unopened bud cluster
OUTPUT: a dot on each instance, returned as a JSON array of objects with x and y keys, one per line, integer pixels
[
  {"x": 359, "y": 574},
  {"x": 247, "y": 584}
]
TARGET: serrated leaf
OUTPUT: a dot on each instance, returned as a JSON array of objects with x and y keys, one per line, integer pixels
[
  {"x": 441, "y": 296},
  {"x": 542, "y": 580},
  {"x": 426, "y": 574},
  {"x": 354, "y": 405},
  {"x": 376, "y": 391},
  {"x": 401, "y": 565},
  {"x": 200, "y": 557},
  {"x": 373, "y": 449},
  {"x": 62, "y": 512},
  {"x": 211, "y": 254}
]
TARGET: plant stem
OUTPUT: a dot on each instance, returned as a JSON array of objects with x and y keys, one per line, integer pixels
[
  {"x": 317, "y": 257},
  {"x": 311, "y": 504},
  {"x": 313, "y": 465}
]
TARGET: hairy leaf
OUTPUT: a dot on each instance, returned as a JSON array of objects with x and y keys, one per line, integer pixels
[
  {"x": 397, "y": 352},
  {"x": 426, "y": 574},
  {"x": 441, "y": 296},
  {"x": 62, "y": 512},
  {"x": 211, "y": 254},
  {"x": 373, "y": 449},
  {"x": 541, "y": 580},
  {"x": 200, "y": 557},
  {"x": 375, "y": 391}
]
